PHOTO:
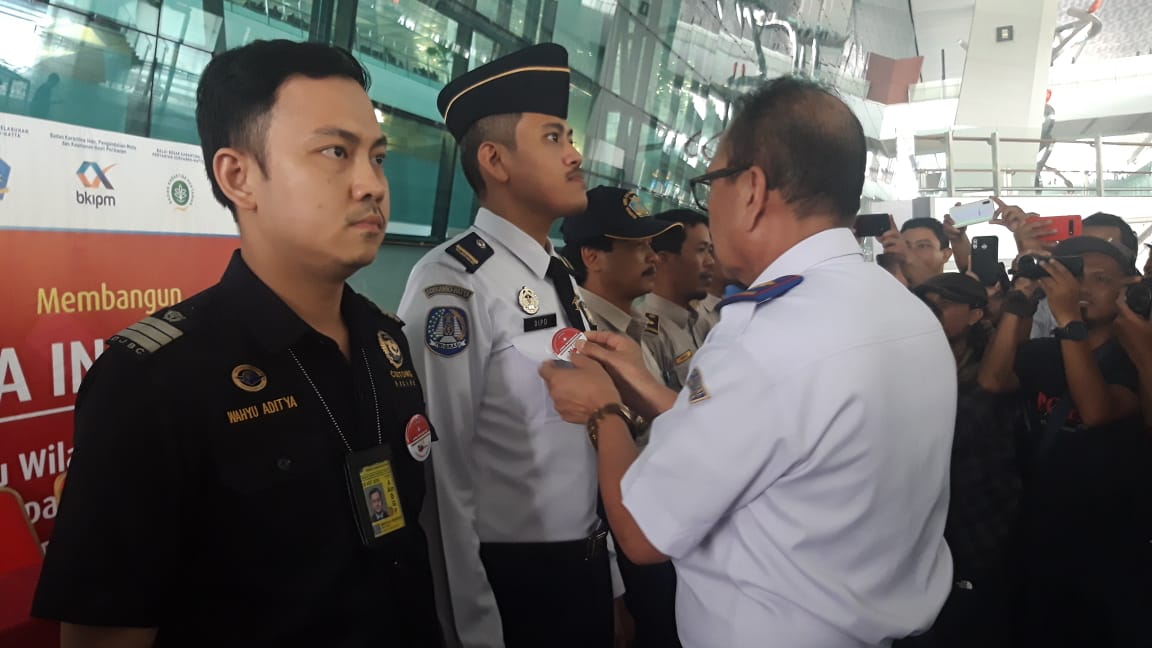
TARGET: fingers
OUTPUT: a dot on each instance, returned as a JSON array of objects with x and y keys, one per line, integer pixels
[
  {"x": 607, "y": 339},
  {"x": 1058, "y": 271}
]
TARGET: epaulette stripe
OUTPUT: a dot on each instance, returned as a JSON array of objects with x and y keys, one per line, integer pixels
[
  {"x": 155, "y": 336},
  {"x": 763, "y": 293},
  {"x": 161, "y": 326},
  {"x": 140, "y": 339}
]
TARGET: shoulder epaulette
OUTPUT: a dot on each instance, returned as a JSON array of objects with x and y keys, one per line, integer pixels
[
  {"x": 154, "y": 332},
  {"x": 653, "y": 326},
  {"x": 763, "y": 293},
  {"x": 471, "y": 251}
]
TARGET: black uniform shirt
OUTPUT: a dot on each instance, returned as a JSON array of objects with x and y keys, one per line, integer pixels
[{"x": 206, "y": 494}]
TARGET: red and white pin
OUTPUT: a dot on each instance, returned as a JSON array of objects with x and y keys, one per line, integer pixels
[
  {"x": 418, "y": 436},
  {"x": 565, "y": 341}
]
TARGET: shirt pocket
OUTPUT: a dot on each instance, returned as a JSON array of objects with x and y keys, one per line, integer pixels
[{"x": 517, "y": 368}]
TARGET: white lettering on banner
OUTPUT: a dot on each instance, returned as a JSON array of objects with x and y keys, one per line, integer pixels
[
  {"x": 54, "y": 459},
  {"x": 81, "y": 362},
  {"x": 149, "y": 300},
  {"x": 10, "y": 368}
]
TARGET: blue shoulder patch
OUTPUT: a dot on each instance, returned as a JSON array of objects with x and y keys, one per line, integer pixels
[
  {"x": 765, "y": 292},
  {"x": 446, "y": 330}
]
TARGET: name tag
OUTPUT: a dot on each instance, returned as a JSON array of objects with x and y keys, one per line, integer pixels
[
  {"x": 683, "y": 357},
  {"x": 375, "y": 496},
  {"x": 539, "y": 322}
]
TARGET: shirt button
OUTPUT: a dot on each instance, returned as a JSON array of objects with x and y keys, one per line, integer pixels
[{"x": 284, "y": 463}]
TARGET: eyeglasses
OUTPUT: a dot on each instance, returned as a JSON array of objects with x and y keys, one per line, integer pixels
[{"x": 702, "y": 185}]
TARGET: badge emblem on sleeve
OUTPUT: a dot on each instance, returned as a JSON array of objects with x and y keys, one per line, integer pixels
[
  {"x": 696, "y": 390},
  {"x": 391, "y": 349},
  {"x": 446, "y": 331}
]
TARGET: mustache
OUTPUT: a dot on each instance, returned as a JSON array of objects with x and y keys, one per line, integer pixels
[{"x": 371, "y": 213}]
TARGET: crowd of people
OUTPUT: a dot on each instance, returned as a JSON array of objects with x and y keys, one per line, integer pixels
[{"x": 718, "y": 427}]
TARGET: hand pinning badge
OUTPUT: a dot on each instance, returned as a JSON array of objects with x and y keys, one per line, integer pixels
[
  {"x": 529, "y": 302},
  {"x": 565, "y": 341}
]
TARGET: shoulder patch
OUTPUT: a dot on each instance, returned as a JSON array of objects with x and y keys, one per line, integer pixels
[
  {"x": 471, "y": 251},
  {"x": 446, "y": 331},
  {"x": 653, "y": 325},
  {"x": 696, "y": 390},
  {"x": 152, "y": 333},
  {"x": 763, "y": 293},
  {"x": 447, "y": 289}
]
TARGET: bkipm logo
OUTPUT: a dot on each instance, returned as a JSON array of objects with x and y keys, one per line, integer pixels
[
  {"x": 5, "y": 171},
  {"x": 94, "y": 177},
  {"x": 180, "y": 192}
]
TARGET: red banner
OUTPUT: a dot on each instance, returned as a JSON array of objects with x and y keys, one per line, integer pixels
[{"x": 62, "y": 295}]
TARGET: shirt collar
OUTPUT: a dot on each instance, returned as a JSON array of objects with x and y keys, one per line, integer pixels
[
  {"x": 819, "y": 248},
  {"x": 273, "y": 324},
  {"x": 515, "y": 240},
  {"x": 603, "y": 310},
  {"x": 679, "y": 316}
]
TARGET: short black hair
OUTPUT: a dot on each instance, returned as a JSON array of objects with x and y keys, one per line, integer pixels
[
  {"x": 239, "y": 87},
  {"x": 572, "y": 254},
  {"x": 375, "y": 490},
  {"x": 928, "y": 223},
  {"x": 494, "y": 128},
  {"x": 673, "y": 239},
  {"x": 808, "y": 143},
  {"x": 1127, "y": 234}
]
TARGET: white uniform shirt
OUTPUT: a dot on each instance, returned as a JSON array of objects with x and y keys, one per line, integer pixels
[
  {"x": 508, "y": 468},
  {"x": 607, "y": 317},
  {"x": 800, "y": 482}
]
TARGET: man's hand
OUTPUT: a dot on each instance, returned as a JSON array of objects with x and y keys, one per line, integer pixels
[
  {"x": 1063, "y": 291},
  {"x": 580, "y": 389},
  {"x": 622, "y": 358},
  {"x": 625, "y": 626},
  {"x": 893, "y": 241},
  {"x": 1016, "y": 220},
  {"x": 958, "y": 239},
  {"x": 1135, "y": 335}
]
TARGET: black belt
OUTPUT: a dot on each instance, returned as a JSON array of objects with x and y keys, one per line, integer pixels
[{"x": 586, "y": 549}]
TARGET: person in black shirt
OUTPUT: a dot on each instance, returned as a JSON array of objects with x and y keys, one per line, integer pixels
[
  {"x": 1083, "y": 446},
  {"x": 225, "y": 447}
]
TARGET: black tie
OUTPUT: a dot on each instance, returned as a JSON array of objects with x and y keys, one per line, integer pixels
[{"x": 562, "y": 280}]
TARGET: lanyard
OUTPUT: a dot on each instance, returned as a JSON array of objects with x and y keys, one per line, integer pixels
[{"x": 331, "y": 417}]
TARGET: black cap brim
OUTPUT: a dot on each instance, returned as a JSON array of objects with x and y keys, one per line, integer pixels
[{"x": 642, "y": 228}]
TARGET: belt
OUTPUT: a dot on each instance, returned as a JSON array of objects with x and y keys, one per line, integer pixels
[{"x": 586, "y": 549}]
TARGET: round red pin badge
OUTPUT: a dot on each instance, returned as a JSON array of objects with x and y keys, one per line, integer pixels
[
  {"x": 418, "y": 436},
  {"x": 565, "y": 341}
]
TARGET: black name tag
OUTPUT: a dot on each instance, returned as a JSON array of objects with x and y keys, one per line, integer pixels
[{"x": 539, "y": 322}]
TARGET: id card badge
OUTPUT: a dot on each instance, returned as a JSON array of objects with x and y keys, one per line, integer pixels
[{"x": 375, "y": 498}]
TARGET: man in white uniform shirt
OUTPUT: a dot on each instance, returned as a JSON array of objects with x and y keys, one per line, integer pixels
[
  {"x": 524, "y": 548},
  {"x": 799, "y": 482}
]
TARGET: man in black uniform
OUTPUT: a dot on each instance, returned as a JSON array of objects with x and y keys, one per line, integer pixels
[{"x": 225, "y": 447}]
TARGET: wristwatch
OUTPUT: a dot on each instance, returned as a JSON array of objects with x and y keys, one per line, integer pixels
[
  {"x": 633, "y": 421},
  {"x": 1075, "y": 331}
]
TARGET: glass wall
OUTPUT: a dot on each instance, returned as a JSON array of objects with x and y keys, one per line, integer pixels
[{"x": 643, "y": 115}]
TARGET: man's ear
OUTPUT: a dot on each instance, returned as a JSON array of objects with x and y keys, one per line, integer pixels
[
  {"x": 490, "y": 158},
  {"x": 591, "y": 258},
  {"x": 752, "y": 198},
  {"x": 236, "y": 172},
  {"x": 975, "y": 315}
]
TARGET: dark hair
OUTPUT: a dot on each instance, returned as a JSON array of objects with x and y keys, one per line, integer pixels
[
  {"x": 1127, "y": 234},
  {"x": 673, "y": 239},
  {"x": 928, "y": 223},
  {"x": 239, "y": 87},
  {"x": 375, "y": 490},
  {"x": 494, "y": 128},
  {"x": 807, "y": 142}
]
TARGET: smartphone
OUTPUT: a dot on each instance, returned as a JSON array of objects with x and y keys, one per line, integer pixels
[
  {"x": 872, "y": 224},
  {"x": 1029, "y": 266},
  {"x": 1065, "y": 226},
  {"x": 973, "y": 213},
  {"x": 1139, "y": 298},
  {"x": 986, "y": 259}
]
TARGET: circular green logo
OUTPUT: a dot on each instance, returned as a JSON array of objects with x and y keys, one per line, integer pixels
[{"x": 180, "y": 193}]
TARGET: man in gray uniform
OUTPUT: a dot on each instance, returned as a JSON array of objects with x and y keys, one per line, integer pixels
[{"x": 674, "y": 328}]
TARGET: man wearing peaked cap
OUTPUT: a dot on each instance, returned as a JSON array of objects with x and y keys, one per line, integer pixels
[
  {"x": 773, "y": 480},
  {"x": 525, "y": 550}
]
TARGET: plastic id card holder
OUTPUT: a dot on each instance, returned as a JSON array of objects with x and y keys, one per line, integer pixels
[{"x": 375, "y": 497}]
